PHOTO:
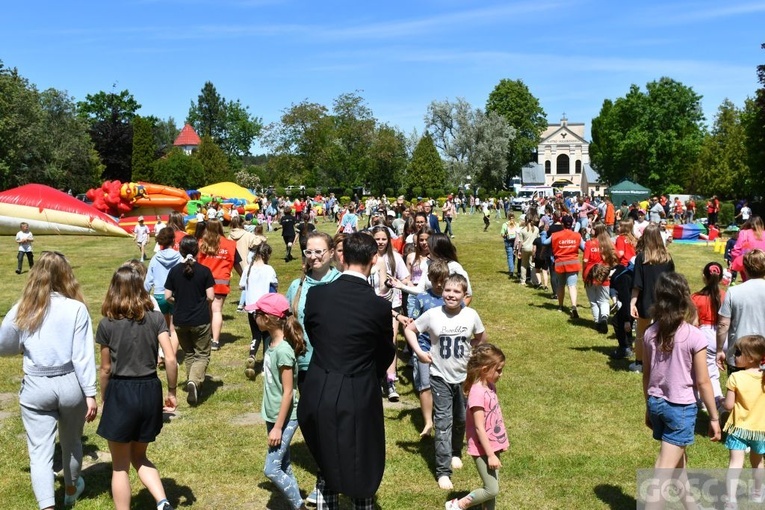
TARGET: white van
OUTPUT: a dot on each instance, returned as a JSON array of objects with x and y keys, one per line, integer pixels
[{"x": 528, "y": 193}]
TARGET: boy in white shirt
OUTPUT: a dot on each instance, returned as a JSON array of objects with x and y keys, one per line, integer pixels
[
  {"x": 453, "y": 330},
  {"x": 141, "y": 235},
  {"x": 24, "y": 239}
]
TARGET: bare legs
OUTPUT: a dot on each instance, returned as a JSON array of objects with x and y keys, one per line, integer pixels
[{"x": 123, "y": 455}]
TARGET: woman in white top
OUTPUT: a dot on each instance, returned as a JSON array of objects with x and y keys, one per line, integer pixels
[{"x": 50, "y": 326}]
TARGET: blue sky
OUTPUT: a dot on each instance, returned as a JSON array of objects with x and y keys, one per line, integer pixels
[{"x": 572, "y": 54}]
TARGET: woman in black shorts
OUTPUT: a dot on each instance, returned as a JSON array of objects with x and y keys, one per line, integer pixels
[{"x": 129, "y": 335}]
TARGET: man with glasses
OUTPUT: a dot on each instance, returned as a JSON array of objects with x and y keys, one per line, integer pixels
[{"x": 743, "y": 310}]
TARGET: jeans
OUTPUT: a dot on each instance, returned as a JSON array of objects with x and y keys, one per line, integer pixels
[
  {"x": 449, "y": 422},
  {"x": 278, "y": 468},
  {"x": 510, "y": 255},
  {"x": 600, "y": 302},
  {"x": 30, "y": 259},
  {"x": 448, "y": 228}
]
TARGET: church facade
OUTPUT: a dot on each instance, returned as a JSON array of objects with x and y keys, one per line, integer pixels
[{"x": 563, "y": 160}]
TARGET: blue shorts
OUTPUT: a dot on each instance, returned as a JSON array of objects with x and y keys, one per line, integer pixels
[
  {"x": 736, "y": 443},
  {"x": 420, "y": 374},
  {"x": 672, "y": 423},
  {"x": 164, "y": 306}
]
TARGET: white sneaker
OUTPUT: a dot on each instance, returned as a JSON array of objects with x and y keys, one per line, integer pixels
[
  {"x": 456, "y": 463},
  {"x": 636, "y": 367},
  {"x": 453, "y": 505},
  {"x": 445, "y": 483},
  {"x": 757, "y": 497}
]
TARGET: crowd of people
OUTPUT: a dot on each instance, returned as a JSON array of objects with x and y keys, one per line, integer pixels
[{"x": 329, "y": 353}]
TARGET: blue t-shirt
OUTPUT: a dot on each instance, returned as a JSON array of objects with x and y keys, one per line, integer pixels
[{"x": 422, "y": 303}]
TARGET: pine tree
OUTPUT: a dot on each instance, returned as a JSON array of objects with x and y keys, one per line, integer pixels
[{"x": 426, "y": 170}]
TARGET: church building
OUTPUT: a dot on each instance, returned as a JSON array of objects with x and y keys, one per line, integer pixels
[{"x": 563, "y": 160}]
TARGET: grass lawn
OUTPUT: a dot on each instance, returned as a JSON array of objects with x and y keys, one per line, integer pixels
[{"x": 574, "y": 416}]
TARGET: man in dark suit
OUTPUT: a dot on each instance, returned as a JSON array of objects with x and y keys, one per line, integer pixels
[
  {"x": 432, "y": 218},
  {"x": 340, "y": 410}
]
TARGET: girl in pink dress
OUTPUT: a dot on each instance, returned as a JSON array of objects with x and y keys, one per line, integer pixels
[{"x": 484, "y": 427}]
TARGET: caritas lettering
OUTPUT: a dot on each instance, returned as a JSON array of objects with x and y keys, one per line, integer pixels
[{"x": 568, "y": 242}]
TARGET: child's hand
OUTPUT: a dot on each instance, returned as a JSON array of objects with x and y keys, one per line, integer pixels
[
  {"x": 494, "y": 462},
  {"x": 424, "y": 357},
  {"x": 275, "y": 436},
  {"x": 714, "y": 430},
  {"x": 170, "y": 404},
  {"x": 634, "y": 312}
]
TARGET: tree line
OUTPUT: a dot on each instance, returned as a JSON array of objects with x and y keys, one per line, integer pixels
[{"x": 657, "y": 137}]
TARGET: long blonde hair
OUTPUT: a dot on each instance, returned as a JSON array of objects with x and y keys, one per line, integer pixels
[
  {"x": 651, "y": 245},
  {"x": 210, "y": 242},
  {"x": 51, "y": 273}
]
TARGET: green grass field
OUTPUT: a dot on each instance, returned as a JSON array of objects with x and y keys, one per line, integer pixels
[{"x": 574, "y": 416}]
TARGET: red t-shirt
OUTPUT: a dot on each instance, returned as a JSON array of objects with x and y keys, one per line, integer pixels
[
  {"x": 627, "y": 248},
  {"x": 592, "y": 257},
  {"x": 704, "y": 308}
]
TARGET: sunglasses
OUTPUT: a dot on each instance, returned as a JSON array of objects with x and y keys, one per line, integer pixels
[{"x": 318, "y": 253}]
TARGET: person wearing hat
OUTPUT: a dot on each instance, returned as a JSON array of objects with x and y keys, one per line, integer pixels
[
  {"x": 279, "y": 408},
  {"x": 640, "y": 224},
  {"x": 141, "y": 236},
  {"x": 350, "y": 329}
]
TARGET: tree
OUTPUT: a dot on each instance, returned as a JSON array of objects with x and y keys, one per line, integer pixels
[
  {"x": 179, "y": 170},
  {"x": 754, "y": 122},
  {"x": 214, "y": 162},
  {"x": 388, "y": 159},
  {"x": 722, "y": 167},
  {"x": 473, "y": 143},
  {"x": 109, "y": 116},
  {"x": 512, "y": 100},
  {"x": 300, "y": 145},
  {"x": 165, "y": 132},
  {"x": 353, "y": 136},
  {"x": 71, "y": 162},
  {"x": 228, "y": 123},
  {"x": 426, "y": 169},
  {"x": 21, "y": 133},
  {"x": 652, "y": 137},
  {"x": 41, "y": 138},
  {"x": 144, "y": 150},
  {"x": 208, "y": 114}
]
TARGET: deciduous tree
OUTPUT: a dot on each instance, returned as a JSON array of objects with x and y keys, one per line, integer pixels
[
  {"x": 388, "y": 159},
  {"x": 513, "y": 100},
  {"x": 652, "y": 137},
  {"x": 109, "y": 116},
  {"x": 214, "y": 162}
]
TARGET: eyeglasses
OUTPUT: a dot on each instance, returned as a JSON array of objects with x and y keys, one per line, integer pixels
[
  {"x": 737, "y": 353},
  {"x": 318, "y": 253}
]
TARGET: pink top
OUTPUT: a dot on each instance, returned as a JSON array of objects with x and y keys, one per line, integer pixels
[
  {"x": 485, "y": 397},
  {"x": 671, "y": 375},
  {"x": 747, "y": 241}
]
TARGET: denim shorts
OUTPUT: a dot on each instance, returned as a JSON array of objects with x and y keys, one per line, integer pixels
[
  {"x": 736, "y": 443},
  {"x": 672, "y": 423},
  {"x": 420, "y": 374},
  {"x": 568, "y": 279}
]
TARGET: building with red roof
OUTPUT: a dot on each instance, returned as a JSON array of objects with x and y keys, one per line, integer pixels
[{"x": 188, "y": 140}]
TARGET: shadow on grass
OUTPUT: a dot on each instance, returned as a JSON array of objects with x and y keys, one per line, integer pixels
[
  {"x": 620, "y": 365},
  {"x": 553, "y": 307},
  {"x": 227, "y": 338},
  {"x": 614, "y": 497},
  {"x": 277, "y": 501},
  {"x": 208, "y": 389},
  {"x": 424, "y": 447},
  {"x": 179, "y": 496}
]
